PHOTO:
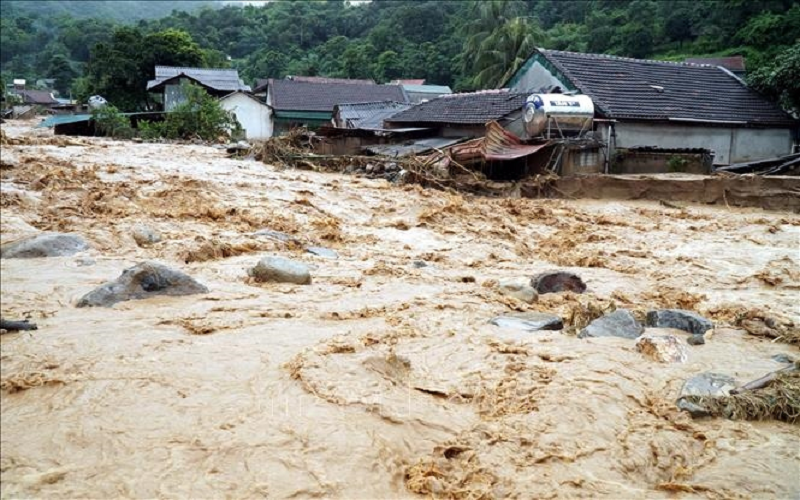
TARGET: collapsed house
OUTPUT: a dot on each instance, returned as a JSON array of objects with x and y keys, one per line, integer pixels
[{"x": 665, "y": 105}]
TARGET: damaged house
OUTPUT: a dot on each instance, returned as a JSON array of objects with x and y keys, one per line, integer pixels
[
  {"x": 656, "y": 106},
  {"x": 217, "y": 82},
  {"x": 311, "y": 104}
]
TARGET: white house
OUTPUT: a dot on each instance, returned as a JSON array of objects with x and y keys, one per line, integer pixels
[{"x": 253, "y": 115}]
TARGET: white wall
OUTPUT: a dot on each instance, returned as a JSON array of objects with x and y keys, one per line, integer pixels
[
  {"x": 730, "y": 145},
  {"x": 255, "y": 117}
]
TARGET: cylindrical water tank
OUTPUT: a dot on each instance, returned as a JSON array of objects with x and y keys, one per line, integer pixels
[{"x": 571, "y": 112}]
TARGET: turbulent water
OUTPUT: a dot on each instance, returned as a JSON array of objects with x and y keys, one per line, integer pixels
[{"x": 381, "y": 379}]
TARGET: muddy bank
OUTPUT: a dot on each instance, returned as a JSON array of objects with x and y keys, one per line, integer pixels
[
  {"x": 768, "y": 192},
  {"x": 387, "y": 358}
]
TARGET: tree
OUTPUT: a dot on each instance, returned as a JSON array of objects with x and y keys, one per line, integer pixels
[
  {"x": 504, "y": 51},
  {"x": 61, "y": 70},
  {"x": 781, "y": 79}
]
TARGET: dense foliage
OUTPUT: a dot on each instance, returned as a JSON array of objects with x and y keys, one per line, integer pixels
[
  {"x": 199, "y": 116},
  {"x": 463, "y": 44}
]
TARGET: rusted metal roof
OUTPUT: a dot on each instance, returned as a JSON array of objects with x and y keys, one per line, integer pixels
[{"x": 501, "y": 145}]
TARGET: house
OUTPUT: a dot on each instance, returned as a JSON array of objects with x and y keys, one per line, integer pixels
[
  {"x": 366, "y": 115},
  {"x": 42, "y": 98},
  {"x": 734, "y": 64},
  {"x": 418, "y": 92},
  {"x": 464, "y": 115},
  {"x": 666, "y": 105},
  {"x": 217, "y": 82},
  {"x": 311, "y": 104},
  {"x": 253, "y": 115}
]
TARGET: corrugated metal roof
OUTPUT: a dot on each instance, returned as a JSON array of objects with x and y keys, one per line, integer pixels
[
  {"x": 500, "y": 144},
  {"x": 415, "y": 147},
  {"x": 215, "y": 78},
  {"x": 52, "y": 121},
  {"x": 366, "y": 114}
]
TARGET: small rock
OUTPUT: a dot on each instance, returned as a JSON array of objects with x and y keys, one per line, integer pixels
[
  {"x": 529, "y": 322},
  {"x": 44, "y": 245},
  {"x": 520, "y": 291},
  {"x": 783, "y": 358},
  {"x": 85, "y": 261},
  {"x": 392, "y": 167},
  {"x": 558, "y": 281},
  {"x": 696, "y": 340},
  {"x": 140, "y": 282},
  {"x": 145, "y": 235},
  {"x": 369, "y": 168},
  {"x": 662, "y": 348},
  {"x": 704, "y": 385},
  {"x": 14, "y": 326},
  {"x": 276, "y": 235},
  {"x": 679, "y": 319},
  {"x": 620, "y": 323},
  {"x": 419, "y": 264},
  {"x": 280, "y": 270},
  {"x": 323, "y": 252},
  {"x": 378, "y": 169}
]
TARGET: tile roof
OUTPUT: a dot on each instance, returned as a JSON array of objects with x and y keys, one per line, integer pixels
[
  {"x": 302, "y": 96},
  {"x": 428, "y": 89},
  {"x": 413, "y": 81},
  {"x": 657, "y": 90},
  {"x": 366, "y": 114},
  {"x": 218, "y": 79},
  {"x": 474, "y": 108},
  {"x": 37, "y": 97},
  {"x": 733, "y": 63},
  {"x": 325, "y": 79}
]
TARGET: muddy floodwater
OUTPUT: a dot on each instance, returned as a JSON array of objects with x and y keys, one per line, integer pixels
[{"x": 383, "y": 378}]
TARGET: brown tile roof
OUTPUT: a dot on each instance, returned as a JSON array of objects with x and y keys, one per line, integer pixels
[
  {"x": 476, "y": 108},
  {"x": 288, "y": 95},
  {"x": 657, "y": 90}
]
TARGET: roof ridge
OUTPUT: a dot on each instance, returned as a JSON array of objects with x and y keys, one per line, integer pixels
[
  {"x": 632, "y": 59},
  {"x": 195, "y": 67}
]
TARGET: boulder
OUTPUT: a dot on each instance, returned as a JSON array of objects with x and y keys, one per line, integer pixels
[
  {"x": 619, "y": 323},
  {"x": 529, "y": 322},
  {"x": 558, "y": 281},
  {"x": 44, "y": 245},
  {"x": 679, "y": 319},
  {"x": 146, "y": 279},
  {"x": 662, "y": 348},
  {"x": 145, "y": 235},
  {"x": 520, "y": 291},
  {"x": 9, "y": 325},
  {"x": 704, "y": 385},
  {"x": 280, "y": 270},
  {"x": 326, "y": 253}
]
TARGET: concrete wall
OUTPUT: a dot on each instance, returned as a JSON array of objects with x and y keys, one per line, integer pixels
[
  {"x": 730, "y": 145},
  {"x": 255, "y": 117}
]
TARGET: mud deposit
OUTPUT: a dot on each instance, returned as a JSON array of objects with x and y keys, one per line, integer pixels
[{"x": 382, "y": 378}]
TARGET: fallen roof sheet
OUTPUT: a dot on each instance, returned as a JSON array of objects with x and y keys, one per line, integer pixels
[
  {"x": 413, "y": 148},
  {"x": 500, "y": 144},
  {"x": 771, "y": 166}
]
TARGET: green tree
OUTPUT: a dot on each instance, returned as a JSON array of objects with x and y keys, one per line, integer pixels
[
  {"x": 62, "y": 71},
  {"x": 781, "y": 79},
  {"x": 504, "y": 51}
]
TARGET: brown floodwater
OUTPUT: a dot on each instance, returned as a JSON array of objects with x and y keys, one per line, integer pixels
[{"x": 380, "y": 379}]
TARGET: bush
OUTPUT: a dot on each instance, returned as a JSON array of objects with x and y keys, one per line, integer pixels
[
  {"x": 109, "y": 122},
  {"x": 200, "y": 116}
]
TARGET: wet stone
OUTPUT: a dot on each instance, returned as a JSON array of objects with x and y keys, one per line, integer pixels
[
  {"x": 558, "y": 281},
  {"x": 783, "y": 358},
  {"x": 704, "y": 385},
  {"x": 696, "y": 340},
  {"x": 85, "y": 261},
  {"x": 280, "y": 270},
  {"x": 520, "y": 291},
  {"x": 275, "y": 235},
  {"x": 419, "y": 264},
  {"x": 326, "y": 253},
  {"x": 529, "y": 322},
  {"x": 679, "y": 319},
  {"x": 141, "y": 281},
  {"x": 44, "y": 245},
  {"x": 145, "y": 235},
  {"x": 620, "y": 323},
  {"x": 662, "y": 348}
]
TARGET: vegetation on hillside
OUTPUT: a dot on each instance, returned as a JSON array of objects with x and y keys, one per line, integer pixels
[{"x": 466, "y": 45}]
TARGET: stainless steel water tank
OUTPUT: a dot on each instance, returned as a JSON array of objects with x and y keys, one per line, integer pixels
[{"x": 572, "y": 112}]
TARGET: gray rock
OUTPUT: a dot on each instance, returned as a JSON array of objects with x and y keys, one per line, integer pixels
[
  {"x": 276, "y": 235},
  {"x": 85, "y": 261},
  {"x": 323, "y": 252},
  {"x": 704, "y": 385},
  {"x": 558, "y": 281},
  {"x": 44, "y": 245},
  {"x": 419, "y": 264},
  {"x": 783, "y": 358},
  {"x": 679, "y": 319},
  {"x": 145, "y": 235},
  {"x": 620, "y": 323},
  {"x": 520, "y": 291},
  {"x": 146, "y": 279},
  {"x": 696, "y": 340},
  {"x": 529, "y": 322},
  {"x": 280, "y": 270},
  {"x": 15, "y": 326}
]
